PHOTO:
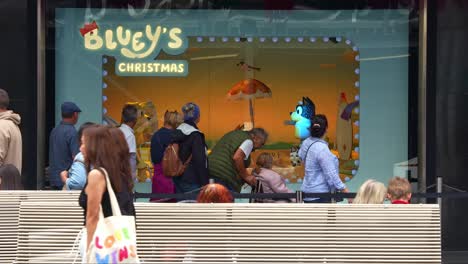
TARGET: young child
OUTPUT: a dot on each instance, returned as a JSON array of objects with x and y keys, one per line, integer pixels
[
  {"x": 271, "y": 181},
  {"x": 399, "y": 190},
  {"x": 371, "y": 192}
]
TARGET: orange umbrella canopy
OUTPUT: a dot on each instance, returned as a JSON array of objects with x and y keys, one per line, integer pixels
[{"x": 249, "y": 89}]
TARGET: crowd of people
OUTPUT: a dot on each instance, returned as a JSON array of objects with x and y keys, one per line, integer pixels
[
  {"x": 98, "y": 157},
  {"x": 227, "y": 164}
]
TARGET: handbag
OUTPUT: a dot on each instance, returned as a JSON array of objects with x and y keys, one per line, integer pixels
[{"x": 114, "y": 240}]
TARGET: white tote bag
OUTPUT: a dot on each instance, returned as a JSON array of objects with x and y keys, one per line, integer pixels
[{"x": 114, "y": 240}]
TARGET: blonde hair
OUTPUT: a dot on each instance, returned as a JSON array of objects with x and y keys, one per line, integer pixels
[
  {"x": 173, "y": 118},
  {"x": 399, "y": 188},
  {"x": 371, "y": 192},
  {"x": 264, "y": 160}
]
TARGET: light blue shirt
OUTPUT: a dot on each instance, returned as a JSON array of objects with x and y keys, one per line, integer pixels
[
  {"x": 76, "y": 174},
  {"x": 321, "y": 167}
]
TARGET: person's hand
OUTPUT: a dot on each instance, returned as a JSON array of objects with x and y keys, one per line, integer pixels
[
  {"x": 251, "y": 180},
  {"x": 346, "y": 190},
  {"x": 64, "y": 176}
]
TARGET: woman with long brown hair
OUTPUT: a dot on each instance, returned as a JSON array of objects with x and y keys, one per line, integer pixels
[{"x": 105, "y": 150}]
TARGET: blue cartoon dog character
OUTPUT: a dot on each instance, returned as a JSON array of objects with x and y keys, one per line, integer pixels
[{"x": 300, "y": 118}]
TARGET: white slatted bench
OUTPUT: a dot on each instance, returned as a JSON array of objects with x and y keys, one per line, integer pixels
[
  {"x": 53, "y": 196},
  {"x": 9, "y": 216},
  {"x": 248, "y": 233}
]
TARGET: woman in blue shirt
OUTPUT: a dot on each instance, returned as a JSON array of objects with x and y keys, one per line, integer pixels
[{"x": 320, "y": 165}]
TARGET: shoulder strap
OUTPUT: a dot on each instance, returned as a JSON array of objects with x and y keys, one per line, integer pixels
[
  {"x": 113, "y": 199},
  {"x": 307, "y": 152}
]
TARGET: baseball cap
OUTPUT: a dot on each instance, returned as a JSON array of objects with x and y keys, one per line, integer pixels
[{"x": 70, "y": 107}]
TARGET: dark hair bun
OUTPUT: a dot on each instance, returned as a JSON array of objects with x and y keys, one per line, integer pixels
[{"x": 319, "y": 126}]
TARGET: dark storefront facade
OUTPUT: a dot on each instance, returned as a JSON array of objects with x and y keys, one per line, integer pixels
[{"x": 403, "y": 62}]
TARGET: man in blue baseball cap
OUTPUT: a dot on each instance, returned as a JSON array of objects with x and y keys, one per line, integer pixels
[
  {"x": 70, "y": 108},
  {"x": 63, "y": 144}
]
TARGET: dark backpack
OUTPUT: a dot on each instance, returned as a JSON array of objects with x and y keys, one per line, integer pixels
[{"x": 171, "y": 164}]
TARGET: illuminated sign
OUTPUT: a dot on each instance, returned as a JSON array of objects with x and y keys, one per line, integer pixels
[
  {"x": 152, "y": 68},
  {"x": 134, "y": 44}
]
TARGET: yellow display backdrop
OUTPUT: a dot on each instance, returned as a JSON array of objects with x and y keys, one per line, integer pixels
[{"x": 324, "y": 70}]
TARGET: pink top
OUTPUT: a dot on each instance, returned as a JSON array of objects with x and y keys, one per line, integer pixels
[{"x": 272, "y": 182}]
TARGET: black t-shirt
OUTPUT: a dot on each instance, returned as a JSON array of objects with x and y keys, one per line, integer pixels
[{"x": 124, "y": 198}]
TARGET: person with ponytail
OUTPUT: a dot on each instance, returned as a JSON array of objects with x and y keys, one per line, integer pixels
[
  {"x": 321, "y": 172},
  {"x": 271, "y": 181}
]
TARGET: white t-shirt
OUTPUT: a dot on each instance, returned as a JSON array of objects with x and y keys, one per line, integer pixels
[
  {"x": 129, "y": 137},
  {"x": 247, "y": 147}
]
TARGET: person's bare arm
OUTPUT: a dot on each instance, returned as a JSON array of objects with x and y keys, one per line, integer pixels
[
  {"x": 238, "y": 159},
  {"x": 94, "y": 190},
  {"x": 64, "y": 176}
]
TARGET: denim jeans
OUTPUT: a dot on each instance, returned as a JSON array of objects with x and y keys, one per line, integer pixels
[{"x": 184, "y": 187}]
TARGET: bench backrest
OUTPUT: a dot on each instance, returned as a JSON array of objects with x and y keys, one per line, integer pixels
[
  {"x": 248, "y": 233},
  {"x": 9, "y": 216},
  {"x": 49, "y": 196}
]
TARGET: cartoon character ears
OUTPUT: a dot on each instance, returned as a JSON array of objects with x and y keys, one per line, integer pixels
[{"x": 307, "y": 100}]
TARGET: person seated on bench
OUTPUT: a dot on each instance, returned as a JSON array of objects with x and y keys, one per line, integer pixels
[
  {"x": 399, "y": 190},
  {"x": 371, "y": 192},
  {"x": 214, "y": 193},
  {"x": 271, "y": 181}
]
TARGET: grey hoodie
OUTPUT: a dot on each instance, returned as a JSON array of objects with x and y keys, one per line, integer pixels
[{"x": 10, "y": 139}]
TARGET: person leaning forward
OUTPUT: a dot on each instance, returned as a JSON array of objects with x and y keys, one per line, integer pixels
[{"x": 231, "y": 156}]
